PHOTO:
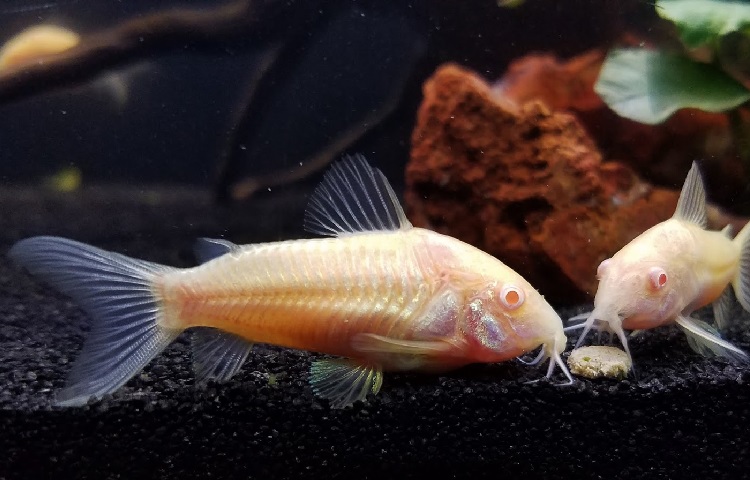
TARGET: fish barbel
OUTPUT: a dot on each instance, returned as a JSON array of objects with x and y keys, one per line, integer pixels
[
  {"x": 669, "y": 271},
  {"x": 382, "y": 294}
]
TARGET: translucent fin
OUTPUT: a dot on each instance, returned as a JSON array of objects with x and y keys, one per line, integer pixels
[
  {"x": 705, "y": 340},
  {"x": 206, "y": 249},
  {"x": 116, "y": 291},
  {"x": 343, "y": 382},
  {"x": 741, "y": 282},
  {"x": 691, "y": 207},
  {"x": 354, "y": 197},
  {"x": 218, "y": 355},
  {"x": 722, "y": 308},
  {"x": 371, "y": 343},
  {"x": 728, "y": 231}
]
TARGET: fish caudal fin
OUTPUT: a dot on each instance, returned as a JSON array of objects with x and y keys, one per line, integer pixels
[
  {"x": 741, "y": 282},
  {"x": 118, "y": 293}
]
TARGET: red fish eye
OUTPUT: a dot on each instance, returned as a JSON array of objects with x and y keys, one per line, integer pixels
[
  {"x": 658, "y": 277},
  {"x": 602, "y": 268},
  {"x": 512, "y": 297}
]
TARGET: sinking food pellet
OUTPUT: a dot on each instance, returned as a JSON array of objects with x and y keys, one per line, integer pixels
[{"x": 599, "y": 361}]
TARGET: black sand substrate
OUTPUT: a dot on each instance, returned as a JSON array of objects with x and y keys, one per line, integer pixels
[{"x": 684, "y": 415}]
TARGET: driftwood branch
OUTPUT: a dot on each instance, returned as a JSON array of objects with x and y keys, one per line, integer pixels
[{"x": 131, "y": 40}]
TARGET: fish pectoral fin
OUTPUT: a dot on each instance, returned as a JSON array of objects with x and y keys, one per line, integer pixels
[
  {"x": 354, "y": 197},
  {"x": 206, "y": 249},
  {"x": 218, "y": 355},
  {"x": 705, "y": 340},
  {"x": 343, "y": 382},
  {"x": 372, "y": 343}
]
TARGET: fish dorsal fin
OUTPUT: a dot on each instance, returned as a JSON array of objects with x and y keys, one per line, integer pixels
[
  {"x": 354, "y": 197},
  {"x": 206, "y": 249},
  {"x": 691, "y": 207}
]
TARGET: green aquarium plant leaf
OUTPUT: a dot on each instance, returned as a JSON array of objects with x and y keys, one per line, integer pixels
[
  {"x": 648, "y": 86},
  {"x": 702, "y": 22}
]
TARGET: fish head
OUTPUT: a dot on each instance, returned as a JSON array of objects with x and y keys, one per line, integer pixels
[
  {"x": 505, "y": 320},
  {"x": 636, "y": 292}
]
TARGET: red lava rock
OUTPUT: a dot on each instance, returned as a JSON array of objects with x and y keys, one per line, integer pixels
[
  {"x": 523, "y": 183},
  {"x": 660, "y": 153}
]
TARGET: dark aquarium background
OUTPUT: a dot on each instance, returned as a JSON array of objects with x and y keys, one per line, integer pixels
[{"x": 547, "y": 133}]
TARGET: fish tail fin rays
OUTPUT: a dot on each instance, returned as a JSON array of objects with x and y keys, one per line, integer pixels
[
  {"x": 118, "y": 293},
  {"x": 705, "y": 340},
  {"x": 741, "y": 281}
]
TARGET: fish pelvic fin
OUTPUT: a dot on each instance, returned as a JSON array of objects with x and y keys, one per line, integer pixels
[
  {"x": 118, "y": 293},
  {"x": 741, "y": 281},
  {"x": 354, "y": 197},
  {"x": 691, "y": 206},
  {"x": 705, "y": 340},
  {"x": 343, "y": 382}
]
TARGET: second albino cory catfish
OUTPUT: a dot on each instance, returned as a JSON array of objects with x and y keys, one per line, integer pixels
[
  {"x": 381, "y": 294},
  {"x": 669, "y": 271}
]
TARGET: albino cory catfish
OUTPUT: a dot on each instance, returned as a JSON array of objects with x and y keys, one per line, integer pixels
[
  {"x": 383, "y": 294},
  {"x": 669, "y": 271}
]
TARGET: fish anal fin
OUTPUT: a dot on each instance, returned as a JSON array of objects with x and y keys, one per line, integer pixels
[
  {"x": 343, "y": 382},
  {"x": 206, "y": 249},
  {"x": 218, "y": 355},
  {"x": 354, "y": 197},
  {"x": 691, "y": 207},
  {"x": 705, "y": 340}
]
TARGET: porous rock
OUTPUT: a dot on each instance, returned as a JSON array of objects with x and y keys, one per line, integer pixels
[{"x": 524, "y": 183}]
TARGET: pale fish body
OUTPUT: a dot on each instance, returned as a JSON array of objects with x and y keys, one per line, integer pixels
[
  {"x": 670, "y": 270},
  {"x": 382, "y": 294}
]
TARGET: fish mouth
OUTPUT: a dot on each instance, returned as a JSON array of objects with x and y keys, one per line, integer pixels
[
  {"x": 602, "y": 322},
  {"x": 551, "y": 351}
]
